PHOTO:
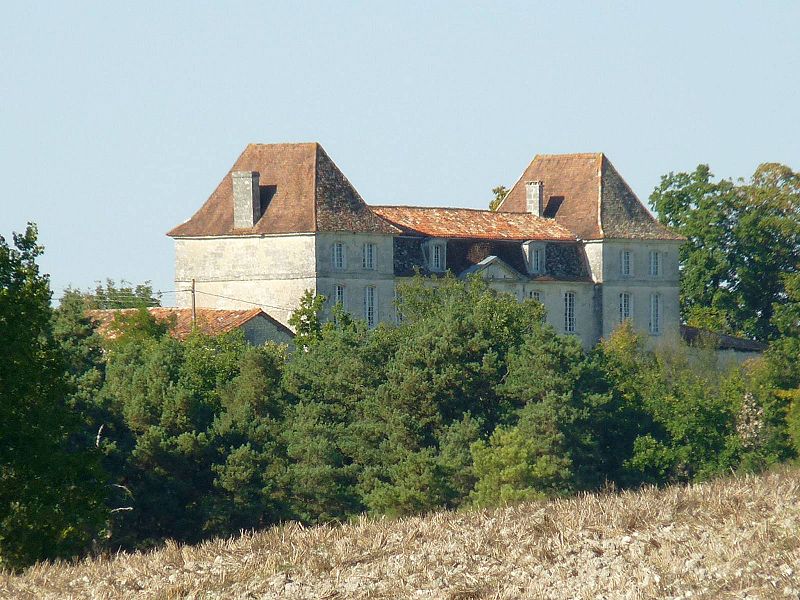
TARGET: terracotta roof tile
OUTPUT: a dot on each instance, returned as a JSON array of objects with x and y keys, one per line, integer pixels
[
  {"x": 210, "y": 321},
  {"x": 586, "y": 194},
  {"x": 306, "y": 192},
  {"x": 469, "y": 223}
]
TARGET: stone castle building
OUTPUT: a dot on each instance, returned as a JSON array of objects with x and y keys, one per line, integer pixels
[{"x": 570, "y": 233}]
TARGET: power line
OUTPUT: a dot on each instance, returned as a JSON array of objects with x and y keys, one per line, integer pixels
[
  {"x": 243, "y": 301},
  {"x": 119, "y": 298}
]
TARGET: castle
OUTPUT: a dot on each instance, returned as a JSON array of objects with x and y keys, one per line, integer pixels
[{"x": 570, "y": 233}]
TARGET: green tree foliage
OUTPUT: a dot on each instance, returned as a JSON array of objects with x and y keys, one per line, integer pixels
[
  {"x": 328, "y": 436},
  {"x": 693, "y": 421},
  {"x": 470, "y": 400},
  {"x": 200, "y": 451},
  {"x": 451, "y": 357},
  {"x": 529, "y": 461},
  {"x": 499, "y": 193},
  {"x": 51, "y": 486},
  {"x": 305, "y": 320},
  {"x": 124, "y": 295},
  {"x": 743, "y": 242}
]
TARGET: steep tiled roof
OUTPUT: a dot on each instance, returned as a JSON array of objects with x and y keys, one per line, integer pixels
[
  {"x": 304, "y": 190},
  {"x": 472, "y": 224},
  {"x": 586, "y": 194},
  {"x": 209, "y": 320}
]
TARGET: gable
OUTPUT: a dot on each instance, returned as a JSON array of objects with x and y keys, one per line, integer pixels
[{"x": 494, "y": 269}]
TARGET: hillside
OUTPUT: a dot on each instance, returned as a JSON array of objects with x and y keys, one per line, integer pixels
[{"x": 732, "y": 538}]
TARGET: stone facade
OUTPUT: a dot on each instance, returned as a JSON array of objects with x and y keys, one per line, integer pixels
[
  {"x": 271, "y": 271},
  {"x": 590, "y": 226}
]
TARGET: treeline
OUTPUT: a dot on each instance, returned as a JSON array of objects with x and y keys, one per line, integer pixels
[{"x": 471, "y": 401}]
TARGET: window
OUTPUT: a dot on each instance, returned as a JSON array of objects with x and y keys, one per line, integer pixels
[
  {"x": 624, "y": 307},
  {"x": 655, "y": 314},
  {"x": 437, "y": 258},
  {"x": 569, "y": 312},
  {"x": 369, "y": 305},
  {"x": 338, "y": 294},
  {"x": 538, "y": 260},
  {"x": 369, "y": 257},
  {"x": 398, "y": 312},
  {"x": 535, "y": 295},
  {"x": 625, "y": 261},
  {"x": 534, "y": 256},
  {"x": 339, "y": 258},
  {"x": 655, "y": 263}
]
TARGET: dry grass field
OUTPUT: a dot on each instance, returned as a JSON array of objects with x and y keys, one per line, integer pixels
[{"x": 735, "y": 538}]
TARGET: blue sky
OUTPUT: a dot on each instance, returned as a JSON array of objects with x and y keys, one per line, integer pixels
[{"x": 118, "y": 120}]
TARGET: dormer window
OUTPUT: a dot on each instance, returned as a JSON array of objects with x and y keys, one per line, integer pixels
[
  {"x": 339, "y": 256},
  {"x": 438, "y": 260},
  {"x": 436, "y": 255},
  {"x": 535, "y": 257}
]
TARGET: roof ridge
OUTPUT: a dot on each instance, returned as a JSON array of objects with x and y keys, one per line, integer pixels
[
  {"x": 478, "y": 210},
  {"x": 647, "y": 212},
  {"x": 315, "y": 200},
  {"x": 600, "y": 176},
  {"x": 432, "y": 207},
  {"x": 570, "y": 154},
  {"x": 516, "y": 183},
  {"x": 261, "y": 145}
]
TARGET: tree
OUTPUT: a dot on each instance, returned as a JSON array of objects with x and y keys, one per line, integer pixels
[
  {"x": 124, "y": 295},
  {"x": 306, "y": 321},
  {"x": 526, "y": 462},
  {"x": 499, "y": 192},
  {"x": 51, "y": 486},
  {"x": 450, "y": 358},
  {"x": 743, "y": 241},
  {"x": 691, "y": 419},
  {"x": 329, "y": 442}
]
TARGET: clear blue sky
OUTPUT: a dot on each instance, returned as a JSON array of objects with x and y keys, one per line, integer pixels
[{"x": 118, "y": 120}]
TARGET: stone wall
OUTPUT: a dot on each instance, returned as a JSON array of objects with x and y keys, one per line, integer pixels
[
  {"x": 269, "y": 271},
  {"x": 260, "y": 330},
  {"x": 354, "y": 277}
]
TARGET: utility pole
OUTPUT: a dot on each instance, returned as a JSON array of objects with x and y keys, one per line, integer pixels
[{"x": 194, "y": 308}]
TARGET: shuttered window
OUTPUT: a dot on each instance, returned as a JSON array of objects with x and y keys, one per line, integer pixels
[
  {"x": 369, "y": 306},
  {"x": 655, "y": 314},
  {"x": 624, "y": 307},
  {"x": 338, "y": 256},
  {"x": 569, "y": 312}
]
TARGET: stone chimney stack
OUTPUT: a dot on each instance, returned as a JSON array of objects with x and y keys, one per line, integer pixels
[
  {"x": 534, "y": 196},
  {"x": 246, "y": 199}
]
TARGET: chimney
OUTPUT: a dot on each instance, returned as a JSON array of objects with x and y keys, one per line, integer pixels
[
  {"x": 246, "y": 199},
  {"x": 534, "y": 194}
]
